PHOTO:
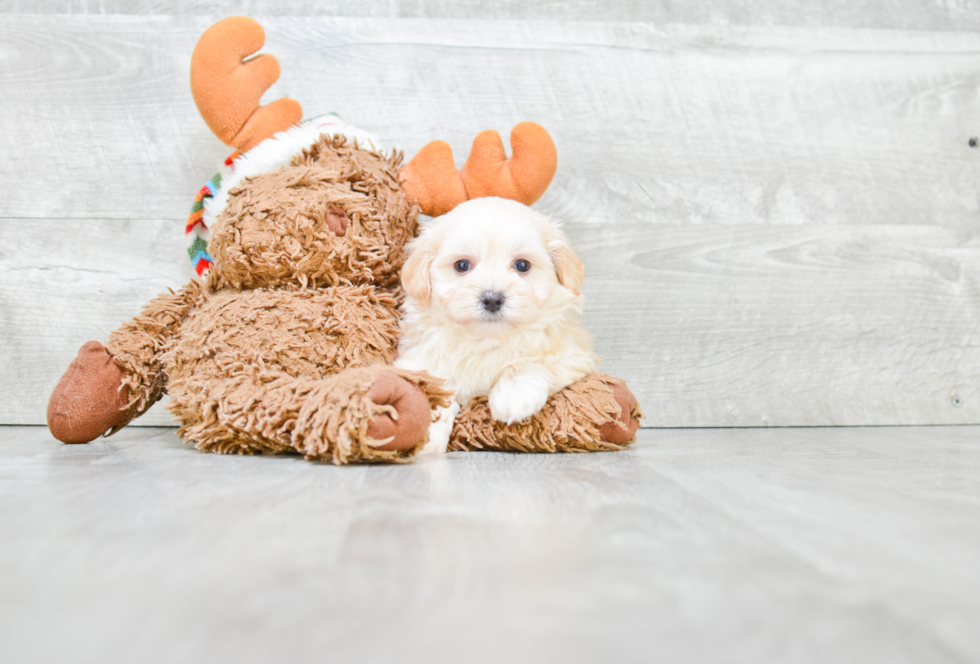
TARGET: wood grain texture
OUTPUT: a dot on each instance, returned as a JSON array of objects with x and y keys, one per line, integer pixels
[
  {"x": 788, "y": 325},
  {"x": 69, "y": 281},
  {"x": 711, "y": 325},
  {"x": 961, "y": 15},
  {"x": 779, "y": 223},
  {"x": 683, "y": 125},
  {"x": 752, "y": 545}
]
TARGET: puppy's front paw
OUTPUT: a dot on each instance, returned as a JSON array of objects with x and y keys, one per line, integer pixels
[
  {"x": 516, "y": 399},
  {"x": 441, "y": 430}
]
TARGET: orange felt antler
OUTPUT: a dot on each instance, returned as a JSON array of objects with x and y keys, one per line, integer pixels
[
  {"x": 227, "y": 87},
  {"x": 432, "y": 181}
]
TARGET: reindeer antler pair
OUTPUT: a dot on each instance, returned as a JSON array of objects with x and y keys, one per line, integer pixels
[
  {"x": 227, "y": 87},
  {"x": 431, "y": 178}
]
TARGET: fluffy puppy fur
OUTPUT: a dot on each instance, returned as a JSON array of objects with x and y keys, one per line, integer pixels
[{"x": 493, "y": 307}]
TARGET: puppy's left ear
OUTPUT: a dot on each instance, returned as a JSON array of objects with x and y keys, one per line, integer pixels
[
  {"x": 568, "y": 266},
  {"x": 416, "y": 279}
]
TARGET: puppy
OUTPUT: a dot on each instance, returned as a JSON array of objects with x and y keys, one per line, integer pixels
[{"x": 493, "y": 307}]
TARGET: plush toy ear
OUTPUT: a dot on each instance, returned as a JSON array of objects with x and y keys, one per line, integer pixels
[
  {"x": 432, "y": 181},
  {"x": 227, "y": 87},
  {"x": 416, "y": 279},
  {"x": 568, "y": 266}
]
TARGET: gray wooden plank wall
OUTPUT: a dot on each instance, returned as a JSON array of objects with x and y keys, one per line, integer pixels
[
  {"x": 958, "y": 15},
  {"x": 777, "y": 207}
]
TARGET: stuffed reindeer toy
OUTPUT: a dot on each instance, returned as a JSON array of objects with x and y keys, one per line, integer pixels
[{"x": 285, "y": 341}]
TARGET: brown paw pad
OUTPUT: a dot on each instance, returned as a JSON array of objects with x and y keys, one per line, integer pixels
[
  {"x": 623, "y": 429},
  {"x": 412, "y": 406},
  {"x": 88, "y": 400}
]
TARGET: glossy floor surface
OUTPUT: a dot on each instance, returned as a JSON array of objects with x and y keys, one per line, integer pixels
[{"x": 717, "y": 545}]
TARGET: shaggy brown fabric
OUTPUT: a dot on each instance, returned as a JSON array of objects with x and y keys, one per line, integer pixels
[
  {"x": 257, "y": 410},
  {"x": 569, "y": 422},
  {"x": 253, "y": 371},
  {"x": 308, "y": 333},
  {"x": 285, "y": 345},
  {"x": 276, "y": 228},
  {"x": 139, "y": 344}
]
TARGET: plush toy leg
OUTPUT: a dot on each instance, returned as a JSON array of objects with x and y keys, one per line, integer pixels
[
  {"x": 106, "y": 387},
  {"x": 598, "y": 413},
  {"x": 367, "y": 414},
  {"x": 90, "y": 398}
]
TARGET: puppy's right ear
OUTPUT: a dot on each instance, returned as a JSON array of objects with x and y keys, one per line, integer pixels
[
  {"x": 416, "y": 279},
  {"x": 568, "y": 266}
]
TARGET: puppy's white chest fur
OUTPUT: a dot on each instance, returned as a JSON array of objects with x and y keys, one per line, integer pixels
[
  {"x": 472, "y": 365},
  {"x": 469, "y": 366}
]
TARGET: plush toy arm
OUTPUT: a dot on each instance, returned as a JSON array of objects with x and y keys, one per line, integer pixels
[
  {"x": 227, "y": 85},
  {"x": 104, "y": 388},
  {"x": 598, "y": 413},
  {"x": 372, "y": 414},
  {"x": 432, "y": 181}
]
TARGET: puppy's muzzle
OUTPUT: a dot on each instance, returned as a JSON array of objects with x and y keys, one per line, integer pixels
[{"x": 492, "y": 301}]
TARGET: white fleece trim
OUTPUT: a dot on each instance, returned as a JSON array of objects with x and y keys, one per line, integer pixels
[{"x": 276, "y": 152}]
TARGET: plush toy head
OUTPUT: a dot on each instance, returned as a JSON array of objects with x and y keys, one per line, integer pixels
[{"x": 334, "y": 215}]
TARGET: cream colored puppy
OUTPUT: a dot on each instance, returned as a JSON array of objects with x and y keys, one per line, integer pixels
[{"x": 493, "y": 308}]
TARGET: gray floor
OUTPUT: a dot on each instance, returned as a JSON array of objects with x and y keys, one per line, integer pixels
[{"x": 751, "y": 545}]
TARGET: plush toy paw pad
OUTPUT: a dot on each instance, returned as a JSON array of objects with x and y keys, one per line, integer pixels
[
  {"x": 622, "y": 429},
  {"x": 89, "y": 399},
  {"x": 412, "y": 406}
]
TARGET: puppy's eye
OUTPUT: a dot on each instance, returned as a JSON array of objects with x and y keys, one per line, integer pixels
[
  {"x": 462, "y": 266},
  {"x": 521, "y": 265}
]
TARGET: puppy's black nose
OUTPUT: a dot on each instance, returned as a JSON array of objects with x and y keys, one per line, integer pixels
[{"x": 492, "y": 301}]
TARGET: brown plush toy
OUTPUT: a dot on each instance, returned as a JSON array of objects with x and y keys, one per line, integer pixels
[{"x": 286, "y": 343}]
